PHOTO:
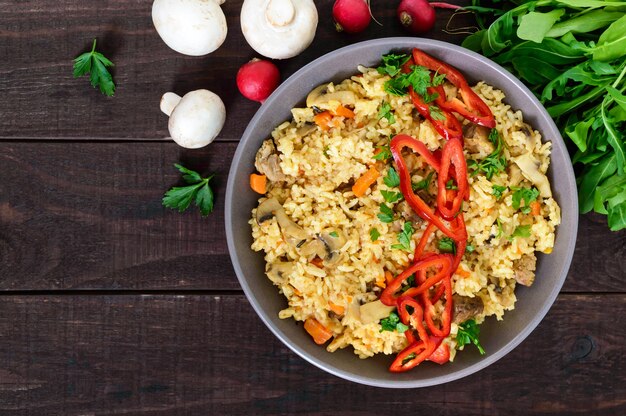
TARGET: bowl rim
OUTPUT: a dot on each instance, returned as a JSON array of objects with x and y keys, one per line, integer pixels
[{"x": 370, "y": 381}]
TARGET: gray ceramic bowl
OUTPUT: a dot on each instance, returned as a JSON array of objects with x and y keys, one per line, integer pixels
[{"x": 498, "y": 338}]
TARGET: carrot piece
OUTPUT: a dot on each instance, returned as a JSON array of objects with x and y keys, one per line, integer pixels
[
  {"x": 535, "y": 208},
  {"x": 317, "y": 262},
  {"x": 338, "y": 309},
  {"x": 388, "y": 276},
  {"x": 323, "y": 120},
  {"x": 258, "y": 183},
  {"x": 344, "y": 112},
  {"x": 365, "y": 181},
  {"x": 462, "y": 272},
  {"x": 318, "y": 332}
]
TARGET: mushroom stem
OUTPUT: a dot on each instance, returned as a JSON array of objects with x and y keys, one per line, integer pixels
[
  {"x": 169, "y": 101},
  {"x": 279, "y": 12}
]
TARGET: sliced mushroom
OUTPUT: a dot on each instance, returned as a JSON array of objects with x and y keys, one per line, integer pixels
[
  {"x": 277, "y": 272},
  {"x": 267, "y": 210},
  {"x": 267, "y": 162},
  {"x": 313, "y": 248},
  {"x": 332, "y": 245},
  {"x": 466, "y": 308},
  {"x": 374, "y": 311},
  {"x": 477, "y": 140},
  {"x": 530, "y": 170},
  {"x": 306, "y": 129},
  {"x": 293, "y": 234},
  {"x": 320, "y": 97}
]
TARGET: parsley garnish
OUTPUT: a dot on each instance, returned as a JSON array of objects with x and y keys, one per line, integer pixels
[
  {"x": 392, "y": 179},
  {"x": 386, "y": 213},
  {"x": 325, "y": 152},
  {"x": 468, "y": 333},
  {"x": 404, "y": 238},
  {"x": 384, "y": 154},
  {"x": 436, "y": 113},
  {"x": 391, "y": 196},
  {"x": 447, "y": 245},
  {"x": 198, "y": 191},
  {"x": 95, "y": 64},
  {"x": 470, "y": 248},
  {"x": 495, "y": 162},
  {"x": 392, "y": 323},
  {"x": 498, "y": 191},
  {"x": 524, "y": 194},
  {"x": 424, "y": 183},
  {"x": 521, "y": 231},
  {"x": 392, "y": 64},
  {"x": 374, "y": 234},
  {"x": 408, "y": 283},
  {"x": 385, "y": 112},
  {"x": 418, "y": 78},
  {"x": 334, "y": 234},
  {"x": 500, "y": 231},
  {"x": 450, "y": 185}
]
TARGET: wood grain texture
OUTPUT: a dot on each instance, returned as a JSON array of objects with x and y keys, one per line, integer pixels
[
  {"x": 39, "y": 39},
  {"x": 89, "y": 216},
  {"x": 206, "y": 355}
]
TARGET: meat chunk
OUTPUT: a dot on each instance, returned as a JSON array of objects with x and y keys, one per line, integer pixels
[
  {"x": 477, "y": 140},
  {"x": 466, "y": 308},
  {"x": 267, "y": 162},
  {"x": 525, "y": 269}
]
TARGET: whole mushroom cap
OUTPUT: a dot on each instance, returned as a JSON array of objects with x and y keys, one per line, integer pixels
[
  {"x": 279, "y": 29},
  {"x": 191, "y": 27},
  {"x": 197, "y": 119}
]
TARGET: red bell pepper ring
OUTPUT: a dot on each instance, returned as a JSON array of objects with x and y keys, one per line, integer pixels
[
  {"x": 461, "y": 245},
  {"x": 418, "y": 205},
  {"x": 403, "y": 140},
  {"x": 412, "y": 319},
  {"x": 446, "y": 317},
  {"x": 449, "y": 128},
  {"x": 472, "y": 107},
  {"x": 452, "y": 155},
  {"x": 443, "y": 262},
  {"x": 422, "y": 351},
  {"x": 441, "y": 355},
  {"x": 419, "y": 249}
]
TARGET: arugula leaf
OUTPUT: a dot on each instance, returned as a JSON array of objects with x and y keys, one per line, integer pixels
[
  {"x": 495, "y": 162},
  {"x": 468, "y": 333},
  {"x": 386, "y": 213},
  {"x": 392, "y": 179},
  {"x": 404, "y": 238},
  {"x": 520, "y": 231},
  {"x": 374, "y": 234},
  {"x": 95, "y": 64},
  {"x": 424, "y": 183},
  {"x": 527, "y": 195},
  {"x": 392, "y": 64},
  {"x": 535, "y": 25},
  {"x": 447, "y": 245},
  {"x": 383, "y": 154},
  {"x": 392, "y": 323},
  {"x": 498, "y": 190},
  {"x": 385, "y": 112},
  {"x": 197, "y": 190},
  {"x": 612, "y": 43},
  {"x": 391, "y": 197}
]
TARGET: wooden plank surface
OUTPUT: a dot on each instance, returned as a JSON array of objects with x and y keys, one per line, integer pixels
[
  {"x": 39, "y": 39},
  {"x": 211, "y": 355},
  {"x": 69, "y": 221}
]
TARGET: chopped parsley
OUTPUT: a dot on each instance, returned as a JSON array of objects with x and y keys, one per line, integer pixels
[
  {"x": 325, "y": 151},
  {"x": 524, "y": 194},
  {"x": 374, "y": 234},
  {"x": 334, "y": 234},
  {"x": 392, "y": 64},
  {"x": 521, "y": 231},
  {"x": 385, "y": 112},
  {"x": 392, "y": 323},
  {"x": 500, "y": 231},
  {"x": 404, "y": 238},
  {"x": 386, "y": 213},
  {"x": 424, "y": 183},
  {"x": 498, "y": 191},
  {"x": 470, "y": 248},
  {"x": 450, "y": 185},
  {"x": 391, "y": 196},
  {"x": 468, "y": 333},
  {"x": 197, "y": 191},
  {"x": 392, "y": 179},
  {"x": 436, "y": 113},
  {"x": 383, "y": 154},
  {"x": 495, "y": 162},
  {"x": 447, "y": 245}
]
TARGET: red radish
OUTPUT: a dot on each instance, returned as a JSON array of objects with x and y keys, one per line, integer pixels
[
  {"x": 257, "y": 79},
  {"x": 351, "y": 16},
  {"x": 418, "y": 16}
]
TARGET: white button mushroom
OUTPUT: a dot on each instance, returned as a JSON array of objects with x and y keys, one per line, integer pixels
[
  {"x": 279, "y": 29},
  {"x": 191, "y": 27},
  {"x": 195, "y": 119}
]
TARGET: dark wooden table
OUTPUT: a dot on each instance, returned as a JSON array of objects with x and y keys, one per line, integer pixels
[{"x": 111, "y": 304}]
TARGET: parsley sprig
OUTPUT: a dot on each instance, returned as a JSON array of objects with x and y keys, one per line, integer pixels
[
  {"x": 386, "y": 113},
  {"x": 498, "y": 190},
  {"x": 392, "y": 323},
  {"x": 95, "y": 64},
  {"x": 392, "y": 64},
  {"x": 197, "y": 190},
  {"x": 495, "y": 162},
  {"x": 468, "y": 333},
  {"x": 527, "y": 195},
  {"x": 384, "y": 153},
  {"x": 392, "y": 179},
  {"x": 404, "y": 238},
  {"x": 522, "y": 231}
]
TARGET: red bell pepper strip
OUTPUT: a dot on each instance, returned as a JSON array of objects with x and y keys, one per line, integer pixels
[
  {"x": 472, "y": 107},
  {"x": 461, "y": 245},
  {"x": 412, "y": 319},
  {"x": 419, "y": 249},
  {"x": 446, "y": 316},
  {"x": 452, "y": 155},
  {"x": 441, "y": 355},
  {"x": 422, "y": 351},
  {"x": 449, "y": 128},
  {"x": 403, "y": 140}
]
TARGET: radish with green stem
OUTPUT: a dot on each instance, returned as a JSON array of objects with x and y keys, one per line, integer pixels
[{"x": 418, "y": 16}]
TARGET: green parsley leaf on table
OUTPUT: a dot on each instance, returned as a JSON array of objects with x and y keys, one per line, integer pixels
[
  {"x": 392, "y": 179},
  {"x": 404, "y": 238},
  {"x": 498, "y": 191},
  {"x": 197, "y": 191},
  {"x": 386, "y": 113},
  {"x": 95, "y": 64},
  {"x": 524, "y": 194},
  {"x": 392, "y": 323},
  {"x": 520, "y": 231},
  {"x": 468, "y": 333},
  {"x": 374, "y": 234}
]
